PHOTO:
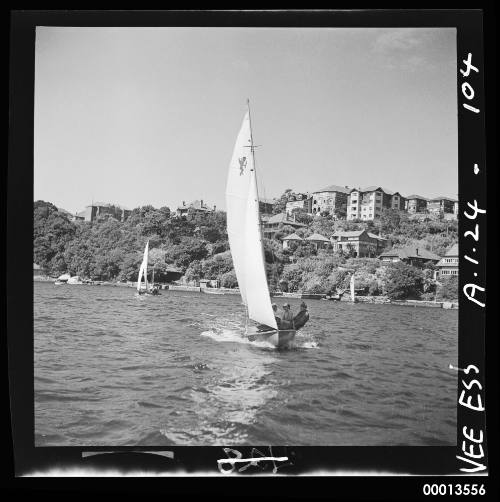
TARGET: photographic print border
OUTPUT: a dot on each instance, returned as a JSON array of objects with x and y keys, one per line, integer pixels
[{"x": 300, "y": 461}]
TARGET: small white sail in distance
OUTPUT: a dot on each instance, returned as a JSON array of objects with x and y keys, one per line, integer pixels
[
  {"x": 144, "y": 268},
  {"x": 352, "y": 288},
  {"x": 243, "y": 228}
]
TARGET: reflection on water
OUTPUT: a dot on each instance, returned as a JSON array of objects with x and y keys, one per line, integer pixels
[{"x": 115, "y": 369}]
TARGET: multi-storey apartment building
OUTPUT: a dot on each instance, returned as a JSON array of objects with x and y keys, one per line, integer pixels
[
  {"x": 398, "y": 202},
  {"x": 441, "y": 205},
  {"x": 367, "y": 203},
  {"x": 416, "y": 204},
  {"x": 332, "y": 199},
  {"x": 300, "y": 201}
]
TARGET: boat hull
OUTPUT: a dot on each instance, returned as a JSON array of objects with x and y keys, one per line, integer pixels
[{"x": 282, "y": 339}]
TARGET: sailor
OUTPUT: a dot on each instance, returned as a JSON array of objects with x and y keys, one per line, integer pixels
[
  {"x": 287, "y": 317},
  {"x": 275, "y": 310},
  {"x": 302, "y": 317}
]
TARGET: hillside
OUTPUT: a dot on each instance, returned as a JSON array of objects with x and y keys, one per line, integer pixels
[{"x": 110, "y": 250}]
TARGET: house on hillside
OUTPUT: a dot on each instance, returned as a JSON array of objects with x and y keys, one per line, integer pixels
[
  {"x": 195, "y": 207},
  {"x": 448, "y": 265},
  {"x": 299, "y": 201},
  {"x": 291, "y": 239},
  {"x": 411, "y": 255},
  {"x": 271, "y": 224},
  {"x": 361, "y": 243},
  {"x": 318, "y": 241}
]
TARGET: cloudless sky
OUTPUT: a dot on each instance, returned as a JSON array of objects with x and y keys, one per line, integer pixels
[{"x": 138, "y": 116}]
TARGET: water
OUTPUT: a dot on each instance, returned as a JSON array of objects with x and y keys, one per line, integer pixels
[{"x": 112, "y": 368}]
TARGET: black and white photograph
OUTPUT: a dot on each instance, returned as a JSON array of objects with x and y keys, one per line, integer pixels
[
  {"x": 247, "y": 236},
  {"x": 319, "y": 215}
]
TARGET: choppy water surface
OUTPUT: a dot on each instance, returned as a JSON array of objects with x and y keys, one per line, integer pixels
[{"x": 112, "y": 368}]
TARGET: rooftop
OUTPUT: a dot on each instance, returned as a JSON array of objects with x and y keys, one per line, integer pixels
[
  {"x": 196, "y": 204},
  {"x": 411, "y": 252},
  {"x": 292, "y": 237},
  {"x": 317, "y": 237},
  {"x": 282, "y": 218},
  {"x": 374, "y": 188},
  {"x": 416, "y": 197},
  {"x": 441, "y": 197},
  {"x": 347, "y": 233},
  {"x": 335, "y": 188}
]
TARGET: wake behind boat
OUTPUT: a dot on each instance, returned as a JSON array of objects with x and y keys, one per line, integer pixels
[{"x": 245, "y": 240}]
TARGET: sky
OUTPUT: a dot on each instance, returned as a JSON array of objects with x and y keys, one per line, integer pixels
[{"x": 137, "y": 116}]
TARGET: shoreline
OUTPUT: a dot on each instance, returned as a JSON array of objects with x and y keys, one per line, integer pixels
[{"x": 305, "y": 296}]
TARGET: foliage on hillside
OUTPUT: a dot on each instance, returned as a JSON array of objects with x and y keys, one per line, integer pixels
[{"x": 111, "y": 250}]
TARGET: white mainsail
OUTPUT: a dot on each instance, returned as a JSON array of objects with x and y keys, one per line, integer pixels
[
  {"x": 353, "y": 298},
  {"x": 144, "y": 269},
  {"x": 243, "y": 228}
]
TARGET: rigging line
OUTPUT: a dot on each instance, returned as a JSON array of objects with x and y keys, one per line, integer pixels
[{"x": 263, "y": 187}]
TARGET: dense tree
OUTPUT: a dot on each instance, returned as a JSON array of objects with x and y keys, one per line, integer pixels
[
  {"x": 188, "y": 249},
  {"x": 302, "y": 216},
  {"x": 403, "y": 281},
  {"x": 52, "y": 232},
  {"x": 390, "y": 220},
  {"x": 448, "y": 289},
  {"x": 228, "y": 280},
  {"x": 112, "y": 250},
  {"x": 216, "y": 266}
]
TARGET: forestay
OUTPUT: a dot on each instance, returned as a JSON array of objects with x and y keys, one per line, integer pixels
[{"x": 243, "y": 228}]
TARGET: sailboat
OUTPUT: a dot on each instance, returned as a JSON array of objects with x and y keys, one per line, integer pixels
[
  {"x": 143, "y": 271},
  {"x": 245, "y": 240}
]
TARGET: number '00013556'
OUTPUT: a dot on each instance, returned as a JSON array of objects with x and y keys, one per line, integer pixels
[{"x": 454, "y": 489}]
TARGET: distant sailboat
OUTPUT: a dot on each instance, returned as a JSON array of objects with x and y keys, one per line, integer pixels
[
  {"x": 143, "y": 271},
  {"x": 245, "y": 240}
]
